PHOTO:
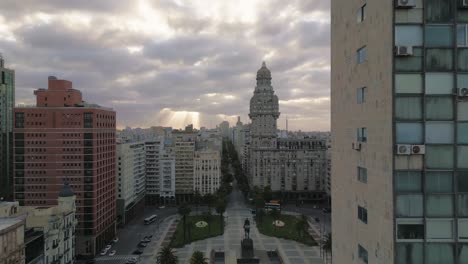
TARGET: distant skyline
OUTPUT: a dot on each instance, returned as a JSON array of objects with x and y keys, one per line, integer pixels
[{"x": 174, "y": 62}]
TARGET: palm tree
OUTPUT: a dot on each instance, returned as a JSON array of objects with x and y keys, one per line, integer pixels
[
  {"x": 166, "y": 256},
  {"x": 198, "y": 258},
  {"x": 327, "y": 244},
  {"x": 184, "y": 210},
  {"x": 220, "y": 209}
]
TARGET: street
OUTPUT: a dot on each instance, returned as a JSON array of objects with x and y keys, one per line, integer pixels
[{"x": 325, "y": 218}]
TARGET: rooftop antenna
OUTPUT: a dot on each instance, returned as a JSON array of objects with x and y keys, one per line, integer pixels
[
  {"x": 1, "y": 60},
  {"x": 286, "y": 124}
]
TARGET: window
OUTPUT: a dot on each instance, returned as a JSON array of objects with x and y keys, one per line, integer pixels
[
  {"x": 462, "y": 36},
  {"x": 438, "y": 36},
  {"x": 463, "y": 229},
  {"x": 439, "y": 229},
  {"x": 362, "y": 254},
  {"x": 438, "y": 252},
  {"x": 361, "y": 95},
  {"x": 462, "y": 60},
  {"x": 408, "y": 108},
  {"x": 362, "y": 134},
  {"x": 361, "y": 55},
  {"x": 439, "y": 10},
  {"x": 408, "y": 35},
  {"x": 439, "y": 132},
  {"x": 410, "y": 229},
  {"x": 462, "y": 157},
  {"x": 439, "y": 108},
  {"x": 408, "y": 181},
  {"x": 362, "y": 174},
  {"x": 409, "y": 205},
  {"x": 439, "y": 205},
  {"x": 408, "y": 83},
  {"x": 410, "y": 63},
  {"x": 362, "y": 214},
  {"x": 439, "y": 83},
  {"x": 88, "y": 120},
  {"x": 439, "y": 182},
  {"x": 439, "y": 59},
  {"x": 409, "y": 133},
  {"x": 361, "y": 14},
  {"x": 462, "y": 113},
  {"x": 19, "y": 120},
  {"x": 439, "y": 157},
  {"x": 409, "y": 253},
  {"x": 463, "y": 203}
]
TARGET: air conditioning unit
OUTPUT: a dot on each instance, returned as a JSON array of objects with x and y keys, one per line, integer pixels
[
  {"x": 464, "y": 3},
  {"x": 405, "y": 3},
  {"x": 462, "y": 92},
  {"x": 357, "y": 145},
  {"x": 404, "y": 51},
  {"x": 418, "y": 149},
  {"x": 404, "y": 149}
]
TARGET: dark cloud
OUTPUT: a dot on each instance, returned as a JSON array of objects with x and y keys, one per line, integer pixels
[{"x": 204, "y": 65}]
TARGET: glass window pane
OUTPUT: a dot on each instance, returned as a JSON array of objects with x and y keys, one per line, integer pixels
[
  {"x": 439, "y": 83},
  {"x": 437, "y": 253},
  {"x": 462, "y": 157},
  {"x": 408, "y": 83},
  {"x": 463, "y": 60},
  {"x": 439, "y": 229},
  {"x": 462, "y": 133},
  {"x": 439, "y": 59},
  {"x": 409, "y": 133},
  {"x": 408, "y": 36},
  {"x": 439, "y": 10},
  {"x": 409, "y": 108},
  {"x": 410, "y": 63},
  {"x": 439, "y": 157},
  {"x": 461, "y": 35},
  {"x": 463, "y": 205},
  {"x": 462, "y": 177},
  {"x": 439, "y": 132},
  {"x": 462, "y": 80},
  {"x": 463, "y": 229},
  {"x": 439, "y": 205},
  {"x": 409, "y": 253},
  {"x": 408, "y": 181},
  {"x": 438, "y": 36},
  {"x": 463, "y": 253},
  {"x": 462, "y": 113},
  {"x": 410, "y": 205},
  {"x": 439, "y": 182},
  {"x": 439, "y": 108}
]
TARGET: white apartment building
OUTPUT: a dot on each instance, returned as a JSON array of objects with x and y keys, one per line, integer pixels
[
  {"x": 153, "y": 151},
  {"x": 206, "y": 171},
  {"x": 167, "y": 176},
  {"x": 12, "y": 240},
  {"x": 131, "y": 179}
]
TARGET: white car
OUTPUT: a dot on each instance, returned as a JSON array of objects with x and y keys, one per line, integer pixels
[
  {"x": 104, "y": 252},
  {"x": 115, "y": 240},
  {"x": 108, "y": 247},
  {"x": 112, "y": 253},
  {"x": 162, "y": 207}
]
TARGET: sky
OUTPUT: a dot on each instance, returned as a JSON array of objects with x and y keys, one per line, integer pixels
[{"x": 175, "y": 62}]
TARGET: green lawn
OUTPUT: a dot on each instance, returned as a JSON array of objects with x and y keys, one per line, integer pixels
[
  {"x": 288, "y": 231},
  {"x": 196, "y": 233}
]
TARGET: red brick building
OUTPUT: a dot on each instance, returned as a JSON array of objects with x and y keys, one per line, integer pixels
[{"x": 66, "y": 139}]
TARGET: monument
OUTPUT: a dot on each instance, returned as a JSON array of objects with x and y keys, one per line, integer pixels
[{"x": 247, "y": 248}]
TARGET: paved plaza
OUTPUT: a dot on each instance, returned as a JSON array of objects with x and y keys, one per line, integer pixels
[{"x": 236, "y": 213}]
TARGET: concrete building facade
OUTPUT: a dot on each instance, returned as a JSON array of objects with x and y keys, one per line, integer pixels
[
  {"x": 206, "y": 171},
  {"x": 184, "y": 149},
  {"x": 295, "y": 168},
  {"x": 399, "y": 126},
  {"x": 154, "y": 149},
  {"x": 7, "y": 103},
  {"x": 63, "y": 139},
  {"x": 131, "y": 180},
  {"x": 12, "y": 240}
]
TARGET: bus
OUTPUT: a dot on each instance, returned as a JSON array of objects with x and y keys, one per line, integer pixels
[
  {"x": 150, "y": 219},
  {"x": 271, "y": 206}
]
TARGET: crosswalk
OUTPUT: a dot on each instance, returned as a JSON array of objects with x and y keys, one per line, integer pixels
[{"x": 117, "y": 259}]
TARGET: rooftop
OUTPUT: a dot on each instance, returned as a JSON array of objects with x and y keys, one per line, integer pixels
[{"x": 7, "y": 223}]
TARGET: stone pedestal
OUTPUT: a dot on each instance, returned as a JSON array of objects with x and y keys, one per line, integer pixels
[{"x": 247, "y": 249}]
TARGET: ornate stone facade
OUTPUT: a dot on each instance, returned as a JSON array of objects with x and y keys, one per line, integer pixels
[{"x": 294, "y": 167}]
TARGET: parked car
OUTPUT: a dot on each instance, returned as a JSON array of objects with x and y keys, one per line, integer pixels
[
  {"x": 146, "y": 240},
  {"x": 326, "y": 210},
  {"x": 108, "y": 247},
  {"x": 315, "y": 206},
  {"x": 142, "y": 245},
  {"x": 112, "y": 253},
  {"x": 138, "y": 252},
  {"x": 115, "y": 240},
  {"x": 131, "y": 261},
  {"x": 104, "y": 252},
  {"x": 162, "y": 207},
  {"x": 317, "y": 219},
  {"x": 149, "y": 236}
]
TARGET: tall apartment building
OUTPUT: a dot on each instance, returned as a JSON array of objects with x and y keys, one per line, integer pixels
[
  {"x": 63, "y": 139},
  {"x": 292, "y": 167},
  {"x": 12, "y": 240},
  {"x": 400, "y": 131},
  {"x": 167, "y": 189},
  {"x": 55, "y": 223},
  {"x": 206, "y": 171},
  {"x": 154, "y": 149},
  {"x": 7, "y": 103},
  {"x": 131, "y": 180},
  {"x": 184, "y": 148}
]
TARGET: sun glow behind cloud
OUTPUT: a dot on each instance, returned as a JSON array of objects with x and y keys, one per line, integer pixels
[{"x": 178, "y": 119}]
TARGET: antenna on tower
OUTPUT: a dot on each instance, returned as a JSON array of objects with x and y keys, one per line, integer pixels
[{"x": 286, "y": 124}]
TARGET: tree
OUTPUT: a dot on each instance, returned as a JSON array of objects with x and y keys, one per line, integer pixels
[
  {"x": 275, "y": 213},
  {"x": 197, "y": 198},
  {"x": 220, "y": 209},
  {"x": 327, "y": 244},
  {"x": 207, "y": 218},
  {"x": 209, "y": 199},
  {"x": 184, "y": 210},
  {"x": 259, "y": 215},
  {"x": 267, "y": 194},
  {"x": 198, "y": 258},
  {"x": 166, "y": 256},
  {"x": 302, "y": 225}
]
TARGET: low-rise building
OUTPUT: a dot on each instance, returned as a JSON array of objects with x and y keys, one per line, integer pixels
[{"x": 12, "y": 240}]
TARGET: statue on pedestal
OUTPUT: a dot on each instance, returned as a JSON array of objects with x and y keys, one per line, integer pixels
[{"x": 246, "y": 228}]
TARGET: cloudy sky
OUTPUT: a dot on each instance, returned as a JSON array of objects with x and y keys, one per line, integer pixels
[{"x": 174, "y": 62}]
